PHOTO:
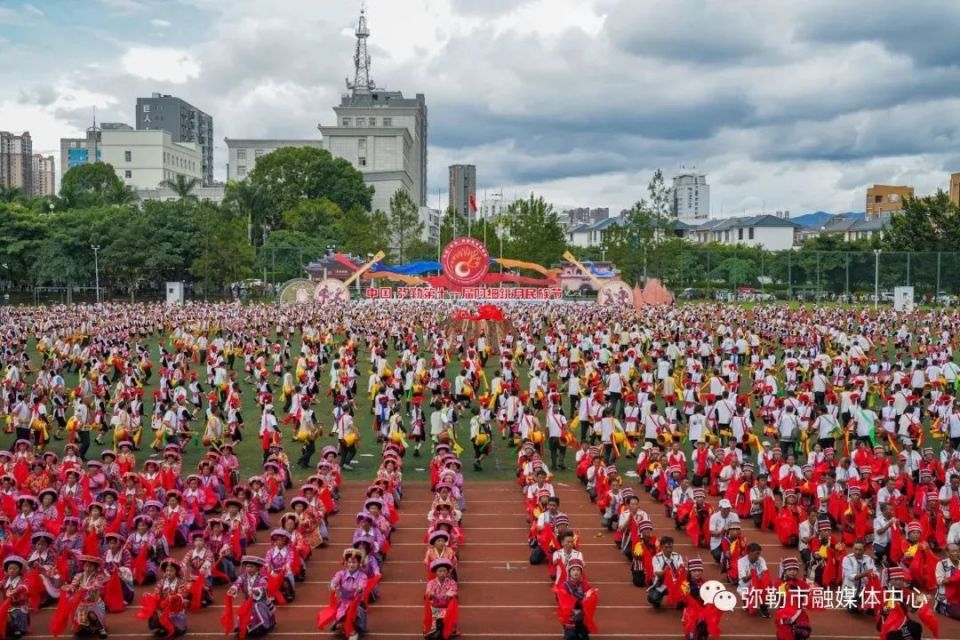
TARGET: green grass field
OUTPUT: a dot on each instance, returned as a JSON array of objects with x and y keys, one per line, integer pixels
[{"x": 499, "y": 466}]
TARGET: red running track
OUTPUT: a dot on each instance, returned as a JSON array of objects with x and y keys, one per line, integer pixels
[{"x": 502, "y": 595}]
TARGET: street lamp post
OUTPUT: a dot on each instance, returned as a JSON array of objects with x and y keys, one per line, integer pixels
[
  {"x": 96, "y": 268},
  {"x": 876, "y": 278}
]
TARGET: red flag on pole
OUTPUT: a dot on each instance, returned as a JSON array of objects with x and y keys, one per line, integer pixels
[{"x": 473, "y": 203}]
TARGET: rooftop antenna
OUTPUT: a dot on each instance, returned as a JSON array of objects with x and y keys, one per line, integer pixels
[{"x": 362, "y": 82}]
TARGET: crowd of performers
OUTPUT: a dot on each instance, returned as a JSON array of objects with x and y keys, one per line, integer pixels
[
  {"x": 444, "y": 537},
  {"x": 91, "y": 535},
  {"x": 85, "y": 530},
  {"x": 816, "y": 424},
  {"x": 832, "y": 512},
  {"x": 84, "y": 536},
  {"x": 554, "y": 542}
]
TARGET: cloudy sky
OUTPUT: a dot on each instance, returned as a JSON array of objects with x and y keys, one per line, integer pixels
[{"x": 785, "y": 105}]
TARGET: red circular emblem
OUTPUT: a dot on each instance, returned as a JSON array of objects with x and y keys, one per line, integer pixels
[{"x": 465, "y": 262}]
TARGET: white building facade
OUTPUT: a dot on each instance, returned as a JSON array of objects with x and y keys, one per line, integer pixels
[
  {"x": 764, "y": 231},
  {"x": 212, "y": 193},
  {"x": 144, "y": 159},
  {"x": 381, "y": 133},
  {"x": 691, "y": 198},
  {"x": 242, "y": 154},
  {"x": 431, "y": 224}
]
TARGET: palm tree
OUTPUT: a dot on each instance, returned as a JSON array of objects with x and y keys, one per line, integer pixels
[
  {"x": 246, "y": 201},
  {"x": 121, "y": 194},
  {"x": 182, "y": 186}
]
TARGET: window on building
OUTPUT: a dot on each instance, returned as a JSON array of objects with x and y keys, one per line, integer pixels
[
  {"x": 894, "y": 197},
  {"x": 362, "y": 162},
  {"x": 362, "y": 146},
  {"x": 241, "y": 154},
  {"x": 258, "y": 153},
  {"x": 241, "y": 170},
  {"x": 739, "y": 234},
  {"x": 361, "y": 122},
  {"x": 127, "y": 156},
  {"x": 878, "y": 199},
  {"x": 372, "y": 122},
  {"x": 146, "y": 108},
  {"x": 347, "y": 122},
  {"x": 750, "y": 233},
  {"x": 128, "y": 174},
  {"x": 388, "y": 122}
]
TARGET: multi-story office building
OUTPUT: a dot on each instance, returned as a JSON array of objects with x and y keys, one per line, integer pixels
[
  {"x": 183, "y": 121},
  {"x": 462, "y": 188},
  {"x": 145, "y": 159}
]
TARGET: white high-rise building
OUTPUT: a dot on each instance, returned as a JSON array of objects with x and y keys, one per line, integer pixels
[
  {"x": 691, "y": 198},
  {"x": 381, "y": 133}
]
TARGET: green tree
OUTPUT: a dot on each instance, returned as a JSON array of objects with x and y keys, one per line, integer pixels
[
  {"x": 317, "y": 218},
  {"x": 22, "y": 233},
  {"x": 661, "y": 203},
  {"x": 223, "y": 255},
  {"x": 452, "y": 224},
  {"x": 247, "y": 202},
  {"x": 535, "y": 232},
  {"x": 306, "y": 173},
  {"x": 92, "y": 185},
  {"x": 420, "y": 249},
  {"x": 355, "y": 233},
  {"x": 929, "y": 223},
  {"x": 131, "y": 258},
  {"x": 629, "y": 242},
  {"x": 379, "y": 232},
  {"x": 121, "y": 194},
  {"x": 286, "y": 252},
  {"x": 182, "y": 186},
  {"x": 12, "y": 194},
  {"x": 736, "y": 271},
  {"x": 405, "y": 223},
  {"x": 65, "y": 255}
]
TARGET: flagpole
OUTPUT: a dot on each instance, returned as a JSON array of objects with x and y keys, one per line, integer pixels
[{"x": 484, "y": 220}]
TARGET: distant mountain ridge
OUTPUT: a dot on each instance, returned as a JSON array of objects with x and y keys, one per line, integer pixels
[{"x": 820, "y": 218}]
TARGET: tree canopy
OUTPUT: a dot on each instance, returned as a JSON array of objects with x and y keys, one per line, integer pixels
[
  {"x": 90, "y": 185},
  {"x": 535, "y": 232},
  {"x": 289, "y": 175},
  {"x": 930, "y": 223}
]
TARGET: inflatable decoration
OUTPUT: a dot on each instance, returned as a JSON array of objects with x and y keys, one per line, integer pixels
[
  {"x": 331, "y": 291},
  {"x": 616, "y": 293},
  {"x": 297, "y": 291}
]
